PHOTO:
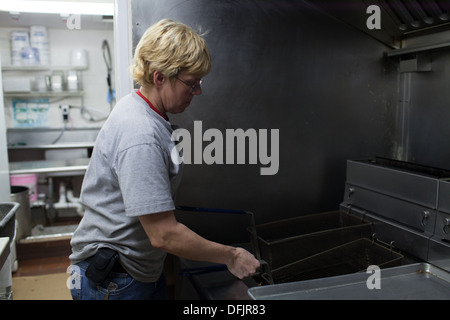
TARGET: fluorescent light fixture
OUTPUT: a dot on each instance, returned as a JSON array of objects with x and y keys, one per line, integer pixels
[{"x": 59, "y": 7}]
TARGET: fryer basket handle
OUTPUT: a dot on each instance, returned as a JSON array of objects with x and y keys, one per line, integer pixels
[
  {"x": 215, "y": 210},
  {"x": 218, "y": 210}
]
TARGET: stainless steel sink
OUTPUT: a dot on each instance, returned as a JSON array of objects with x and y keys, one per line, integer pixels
[
  {"x": 7, "y": 228},
  {"x": 7, "y": 219}
]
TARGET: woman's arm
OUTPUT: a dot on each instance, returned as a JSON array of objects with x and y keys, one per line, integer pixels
[{"x": 167, "y": 234}]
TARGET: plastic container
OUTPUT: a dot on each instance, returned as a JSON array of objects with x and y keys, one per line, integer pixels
[
  {"x": 39, "y": 40},
  {"x": 19, "y": 40},
  {"x": 26, "y": 180},
  {"x": 29, "y": 56}
]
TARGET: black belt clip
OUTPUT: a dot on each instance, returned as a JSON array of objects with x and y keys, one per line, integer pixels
[{"x": 101, "y": 264}]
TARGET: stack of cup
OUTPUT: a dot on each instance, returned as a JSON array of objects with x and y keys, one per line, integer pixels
[
  {"x": 39, "y": 40},
  {"x": 19, "y": 41}
]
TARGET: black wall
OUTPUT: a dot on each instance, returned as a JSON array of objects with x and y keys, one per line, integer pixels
[{"x": 283, "y": 65}]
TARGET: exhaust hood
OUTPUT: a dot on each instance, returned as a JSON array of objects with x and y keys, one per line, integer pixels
[{"x": 400, "y": 19}]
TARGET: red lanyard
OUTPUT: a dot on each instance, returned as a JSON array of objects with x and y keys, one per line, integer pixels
[{"x": 151, "y": 105}]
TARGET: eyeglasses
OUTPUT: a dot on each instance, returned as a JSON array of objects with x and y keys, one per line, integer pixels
[{"x": 194, "y": 87}]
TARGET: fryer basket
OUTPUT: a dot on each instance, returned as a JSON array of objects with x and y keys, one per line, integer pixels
[
  {"x": 285, "y": 241},
  {"x": 352, "y": 257}
]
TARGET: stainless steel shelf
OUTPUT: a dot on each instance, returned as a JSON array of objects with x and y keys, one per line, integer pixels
[
  {"x": 74, "y": 145},
  {"x": 41, "y": 68},
  {"x": 78, "y": 166},
  {"x": 44, "y": 94}
]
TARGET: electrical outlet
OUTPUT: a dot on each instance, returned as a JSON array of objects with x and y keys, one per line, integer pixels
[{"x": 65, "y": 112}]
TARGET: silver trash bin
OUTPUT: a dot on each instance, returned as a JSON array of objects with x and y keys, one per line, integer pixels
[
  {"x": 20, "y": 194},
  {"x": 7, "y": 230}
]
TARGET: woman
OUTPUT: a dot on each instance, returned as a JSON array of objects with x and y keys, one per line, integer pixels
[{"x": 119, "y": 247}]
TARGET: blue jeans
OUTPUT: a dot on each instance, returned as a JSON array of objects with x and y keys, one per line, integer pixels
[{"x": 117, "y": 286}]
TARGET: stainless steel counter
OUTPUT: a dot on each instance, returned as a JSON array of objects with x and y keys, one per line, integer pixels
[{"x": 410, "y": 282}]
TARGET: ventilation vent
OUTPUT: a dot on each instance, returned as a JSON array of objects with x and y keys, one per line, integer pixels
[{"x": 412, "y": 15}]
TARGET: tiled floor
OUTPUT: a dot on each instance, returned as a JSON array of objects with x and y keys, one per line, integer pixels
[{"x": 42, "y": 266}]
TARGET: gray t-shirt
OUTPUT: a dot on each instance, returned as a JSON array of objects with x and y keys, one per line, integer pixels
[{"x": 130, "y": 173}]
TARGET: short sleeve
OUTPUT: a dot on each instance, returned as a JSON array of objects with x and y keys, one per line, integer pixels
[{"x": 143, "y": 175}]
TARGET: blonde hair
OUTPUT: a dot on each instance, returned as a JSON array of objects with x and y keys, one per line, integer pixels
[{"x": 170, "y": 47}]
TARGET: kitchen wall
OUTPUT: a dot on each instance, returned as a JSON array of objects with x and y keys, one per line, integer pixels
[
  {"x": 283, "y": 65},
  {"x": 62, "y": 41},
  {"x": 429, "y": 113}
]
